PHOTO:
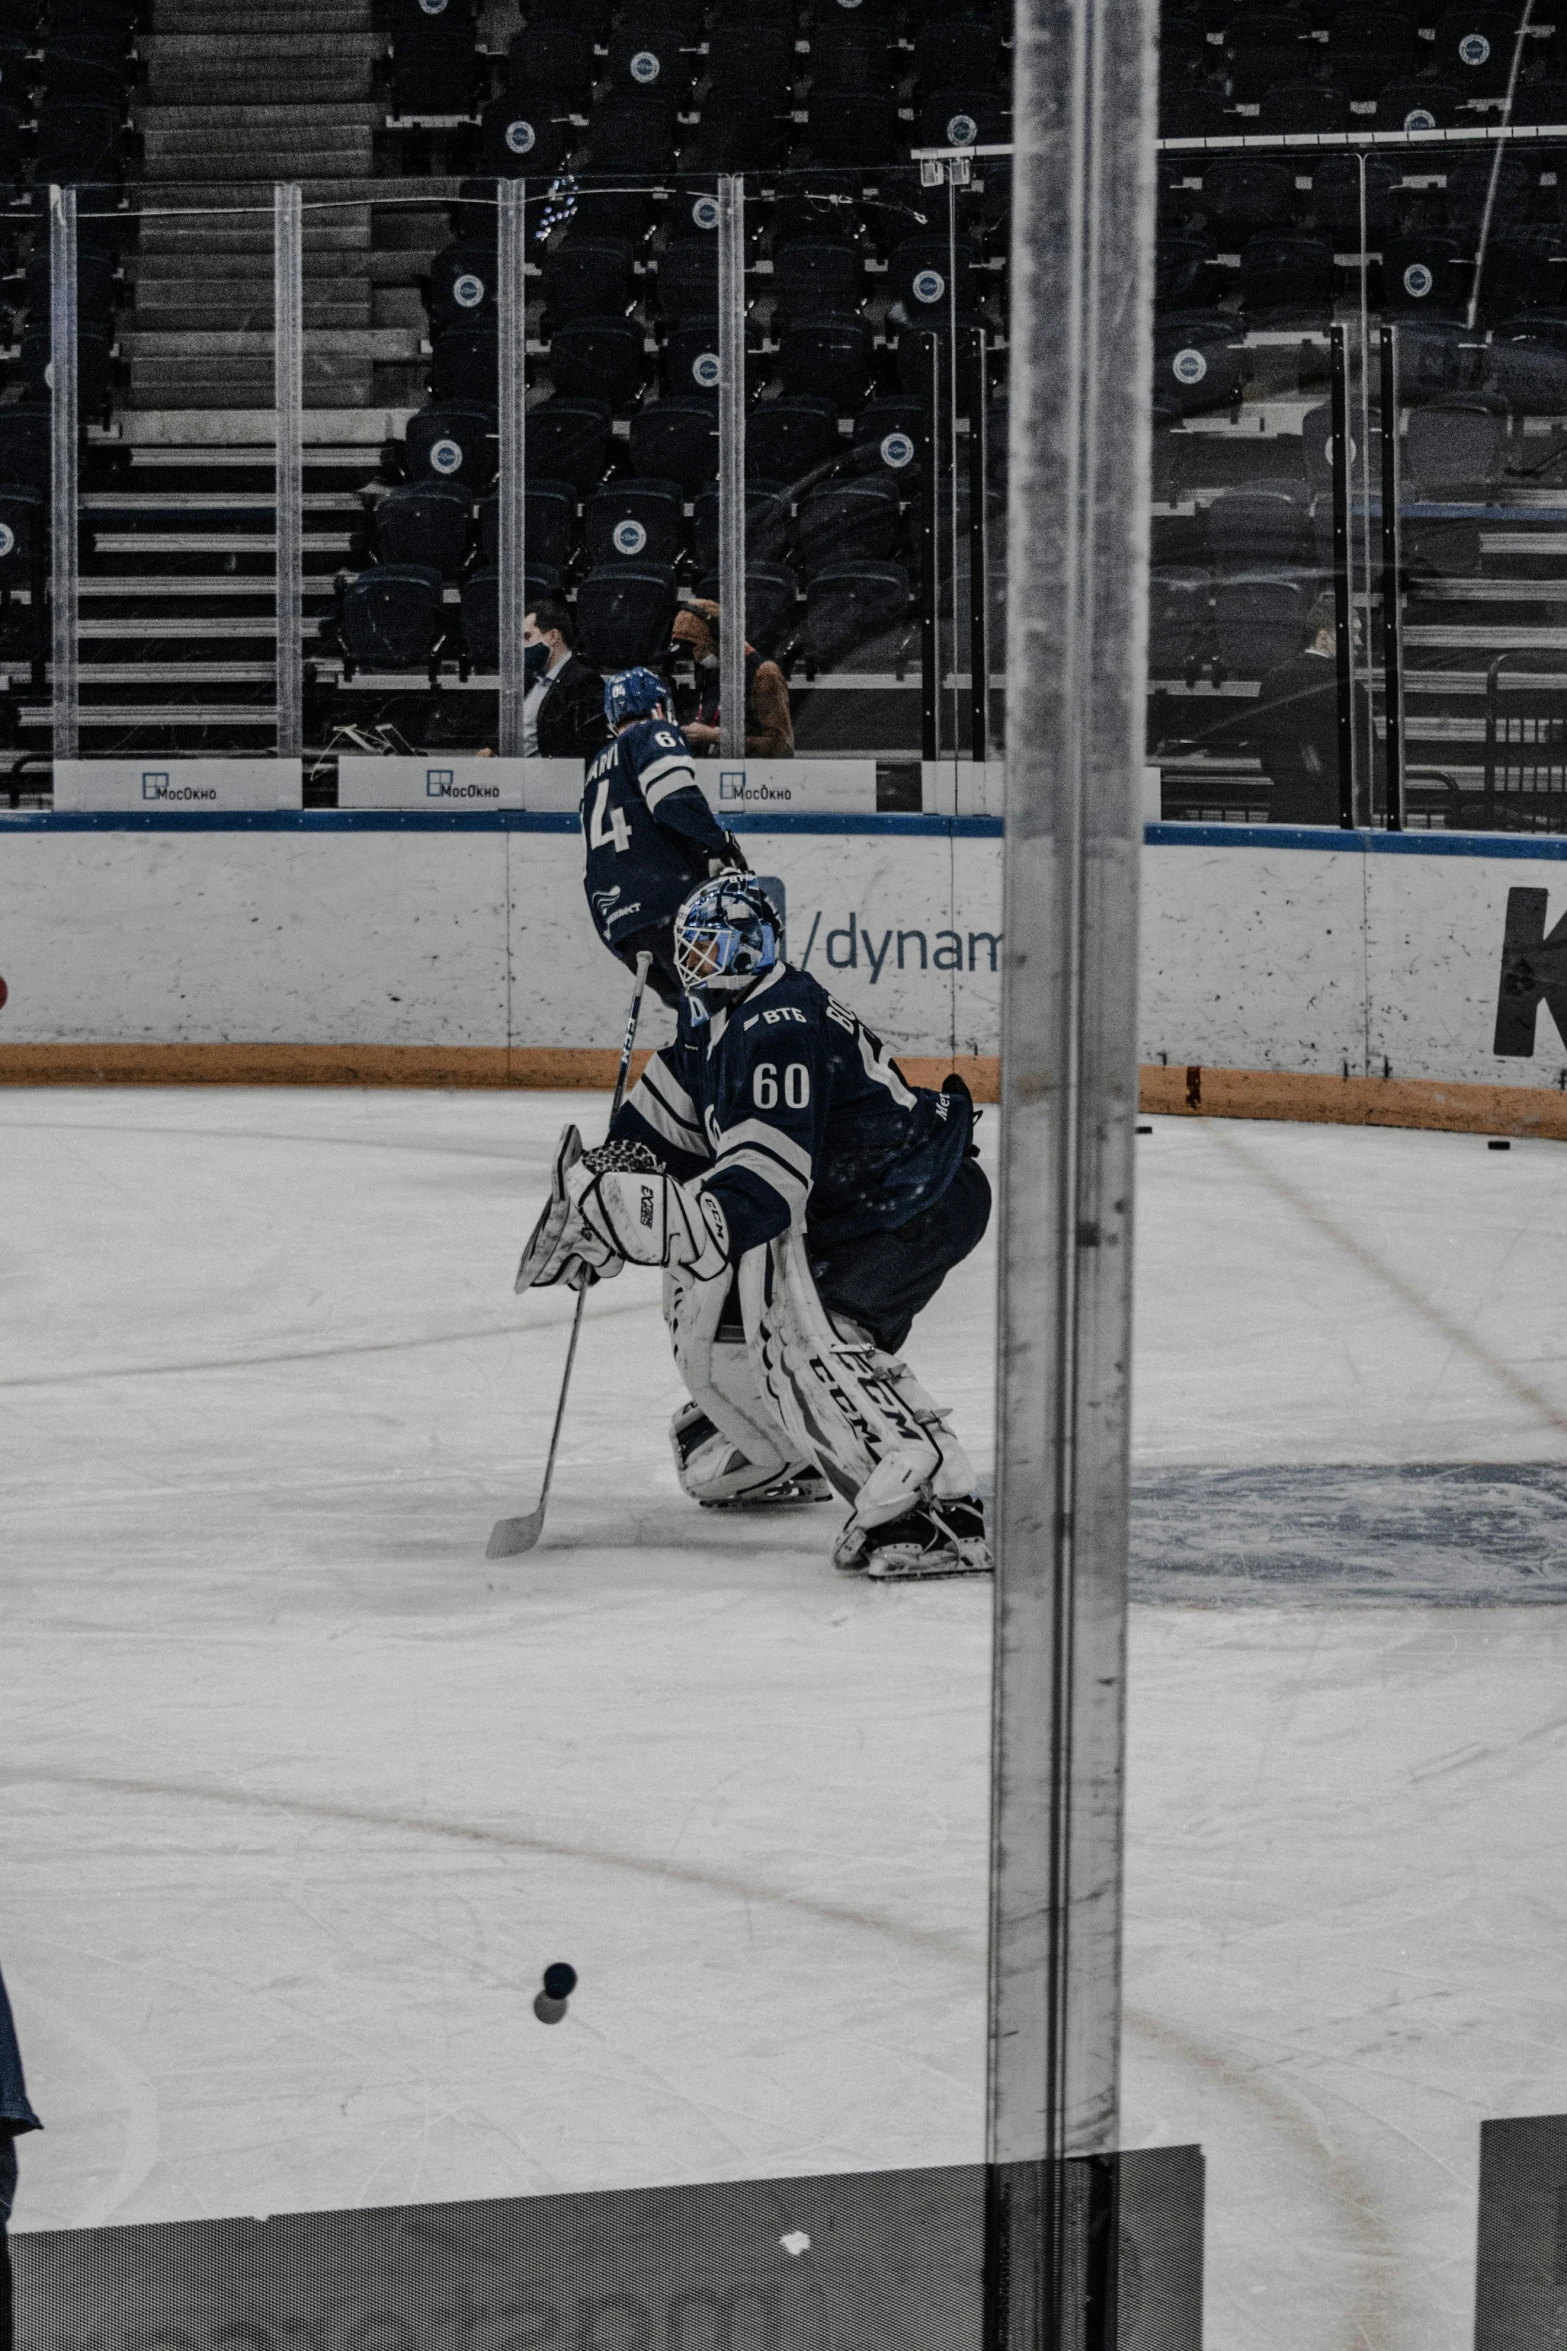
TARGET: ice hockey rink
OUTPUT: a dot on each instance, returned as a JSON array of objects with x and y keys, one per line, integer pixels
[{"x": 302, "y": 1795}]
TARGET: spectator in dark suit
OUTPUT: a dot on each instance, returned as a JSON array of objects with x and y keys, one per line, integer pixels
[
  {"x": 16, "y": 2116},
  {"x": 563, "y": 715},
  {"x": 1295, "y": 725}
]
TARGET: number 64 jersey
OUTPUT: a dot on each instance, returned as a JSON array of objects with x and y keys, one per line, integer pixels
[
  {"x": 793, "y": 1112},
  {"x": 650, "y": 834}
]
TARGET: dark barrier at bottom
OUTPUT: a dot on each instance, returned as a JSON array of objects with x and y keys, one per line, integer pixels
[
  {"x": 1521, "y": 2280},
  {"x": 872, "y": 2261}
]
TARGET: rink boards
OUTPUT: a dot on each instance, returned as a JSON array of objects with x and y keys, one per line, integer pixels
[{"x": 1406, "y": 979}]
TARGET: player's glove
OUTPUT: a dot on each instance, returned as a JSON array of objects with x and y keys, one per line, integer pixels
[
  {"x": 563, "y": 1247},
  {"x": 733, "y": 860},
  {"x": 646, "y": 1218}
]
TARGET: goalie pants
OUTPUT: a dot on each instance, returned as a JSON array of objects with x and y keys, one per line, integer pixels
[{"x": 883, "y": 1280}]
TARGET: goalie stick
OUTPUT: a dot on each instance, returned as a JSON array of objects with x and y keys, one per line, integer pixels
[{"x": 510, "y": 1537}]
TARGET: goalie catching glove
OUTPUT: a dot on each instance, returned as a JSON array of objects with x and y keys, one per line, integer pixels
[{"x": 614, "y": 1206}]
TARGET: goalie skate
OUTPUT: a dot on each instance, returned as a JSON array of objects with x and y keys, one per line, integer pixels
[{"x": 945, "y": 1538}]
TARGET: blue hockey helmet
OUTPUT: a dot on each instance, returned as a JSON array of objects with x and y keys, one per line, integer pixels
[
  {"x": 726, "y": 936},
  {"x": 633, "y": 693}
]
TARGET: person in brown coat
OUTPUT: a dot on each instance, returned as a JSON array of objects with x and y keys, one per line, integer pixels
[{"x": 769, "y": 729}]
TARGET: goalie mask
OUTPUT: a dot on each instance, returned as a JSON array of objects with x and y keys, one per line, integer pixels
[{"x": 726, "y": 937}]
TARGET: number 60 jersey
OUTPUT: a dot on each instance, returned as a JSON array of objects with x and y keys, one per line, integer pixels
[
  {"x": 792, "y": 1112},
  {"x": 650, "y": 834}
]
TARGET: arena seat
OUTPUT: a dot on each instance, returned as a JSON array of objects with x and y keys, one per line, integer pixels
[
  {"x": 1179, "y": 621},
  {"x": 569, "y": 441},
  {"x": 1242, "y": 195},
  {"x": 462, "y": 287},
  {"x": 391, "y": 618},
  {"x": 854, "y": 127},
  {"x": 1263, "y": 47},
  {"x": 549, "y": 526},
  {"x": 1184, "y": 270},
  {"x": 1426, "y": 274},
  {"x": 93, "y": 364},
  {"x": 624, "y": 614},
  {"x": 816, "y": 274},
  {"x": 24, "y": 448},
  {"x": 772, "y": 595},
  {"x": 918, "y": 271},
  {"x": 1367, "y": 49},
  {"x": 791, "y": 437},
  {"x": 521, "y": 138},
  {"x": 1416, "y": 103},
  {"x": 634, "y": 133},
  {"x": 650, "y": 54},
  {"x": 1300, "y": 106},
  {"x": 1453, "y": 446},
  {"x": 587, "y": 276},
  {"x": 858, "y": 518},
  {"x": 1474, "y": 49},
  {"x": 433, "y": 68},
  {"x": 1198, "y": 366},
  {"x": 950, "y": 51},
  {"x": 425, "y": 524},
  {"x": 967, "y": 116},
  {"x": 78, "y": 139},
  {"x": 24, "y": 531},
  {"x": 850, "y": 603},
  {"x": 1527, "y": 365},
  {"x": 555, "y": 61},
  {"x": 465, "y": 364},
  {"x": 1288, "y": 280},
  {"x": 453, "y": 441},
  {"x": 887, "y": 439},
  {"x": 638, "y": 519},
  {"x": 1259, "y": 620},
  {"x": 831, "y": 354},
  {"x": 481, "y": 611},
  {"x": 677, "y": 438},
  {"x": 768, "y": 524},
  {"x": 691, "y": 361},
  {"x": 1335, "y": 196},
  {"x": 1262, "y": 529},
  {"x": 687, "y": 282}
]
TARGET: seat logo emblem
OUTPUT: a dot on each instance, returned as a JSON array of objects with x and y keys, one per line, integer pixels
[
  {"x": 929, "y": 285},
  {"x": 468, "y": 292},
  {"x": 7, "y": 541},
  {"x": 1474, "y": 49},
  {"x": 704, "y": 212},
  {"x": 1419, "y": 118},
  {"x": 629, "y": 537},
  {"x": 1418, "y": 281},
  {"x": 645, "y": 66},
  {"x": 445, "y": 457},
  {"x": 962, "y": 130},
  {"x": 704, "y": 370},
  {"x": 433, "y": 7},
  {"x": 897, "y": 450},
  {"x": 1189, "y": 366},
  {"x": 520, "y": 136}
]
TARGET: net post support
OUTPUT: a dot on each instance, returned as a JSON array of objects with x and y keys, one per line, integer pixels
[
  {"x": 1343, "y": 586},
  {"x": 1078, "y": 530},
  {"x": 288, "y": 399},
  {"x": 64, "y": 460},
  {"x": 512, "y": 290},
  {"x": 731, "y": 466},
  {"x": 1392, "y": 582}
]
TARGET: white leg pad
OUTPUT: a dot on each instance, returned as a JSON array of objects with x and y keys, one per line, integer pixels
[
  {"x": 859, "y": 1414},
  {"x": 719, "y": 1379}
]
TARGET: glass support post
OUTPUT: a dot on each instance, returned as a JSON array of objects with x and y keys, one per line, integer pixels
[
  {"x": 978, "y": 553},
  {"x": 930, "y": 542},
  {"x": 288, "y": 396},
  {"x": 63, "y": 470},
  {"x": 1343, "y": 578},
  {"x": 1392, "y": 584},
  {"x": 1078, "y": 539},
  {"x": 511, "y": 246},
  {"x": 731, "y": 466}
]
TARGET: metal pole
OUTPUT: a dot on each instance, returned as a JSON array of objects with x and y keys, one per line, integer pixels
[
  {"x": 1392, "y": 585},
  {"x": 64, "y": 426},
  {"x": 288, "y": 396},
  {"x": 930, "y": 587},
  {"x": 1343, "y": 596},
  {"x": 1366, "y": 750},
  {"x": 978, "y": 555},
  {"x": 512, "y": 299},
  {"x": 1078, "y": 526},
  {"x": 731, "y": 466}
]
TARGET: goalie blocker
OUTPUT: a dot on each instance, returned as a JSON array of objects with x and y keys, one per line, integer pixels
[{"x": 804, "y": 1204}]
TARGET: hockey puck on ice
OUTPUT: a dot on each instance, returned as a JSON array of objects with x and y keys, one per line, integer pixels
[
  {"x": 1145, "y": 1130},
  {"x": 4, "y": 992},
  {"x": 548, "y": 2011},
  {"x": 560, "y": 1980},
  {"x": 1496, "y": 1144}
]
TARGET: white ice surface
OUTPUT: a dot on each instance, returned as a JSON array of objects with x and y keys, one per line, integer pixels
[{"x": 301, "y": 1795}]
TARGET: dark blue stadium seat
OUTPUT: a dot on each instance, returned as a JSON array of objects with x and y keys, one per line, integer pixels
[
  {"x": 465, "y": 364},
  {"x": 1524, "y": 268},
  {"x": 858, "y": 517},
  {"x": 1179, "y": 622},
  {"x": 1413, "y": 103},
  {"x": 77, "y": 140},
  {"x": 549, "y": 525},
  {"x": 1288, "y": 280},
  {"x": 555, "y": 61},
  {"x": 771, "y": 595},
  {"x": 1299, "y": 106},
  {"x": 1454, "y": 447},
  {"x": 677, "y": 438},
  {"x": 887, "y": 437},
  {"x": 24, "y": 530},
  {"x": 789, "y": 438},
  {"x": 82, "y": 74},
  {"x": 1335, "y": 197},
  {"x": 752, "y": 57},
  {"x": 598, "y": 359},
  {"x": 1369, "y": 48},
  {"x": 415, "y": 16},
  {"x": 964, "y": 117},
  {"x": 1197, "y": 365},
  {"x": 1488, "y": 183},
  {"x": 638, "y": 519},
  {"x": 816, "y": 274},
  {"x": 434, "y": 68},
  {"x": 651, "y": 56},
  {"x": 1259, "y": 620},
  {"x": 852, "y": 58},
  {"x": 688, "y": 283},
  {"x": 691, "y": 361},
  {"x": 857, "y": 127},
  {"x": 633, "y": 133},
  {"x": 747, "y": 136},
  {"x": 481, "y": 611},
  {"x": 92, "y": 367},
  {"x": 919, "y": 274},
  {"x": 453, "y": 441},
  {"x": 390, "y": 618},
  {"x": 768, "y": 523},
  {"x": 846, "y": 606},
  {"x": 1184, "y": 270},
  {"x": 624, "y": 614},
  {"x": 1245, "y": 194},
  {"x": 520, "y": 139},
  {"x": 951, "y": 51},
  {"x": 1426, "y": 274},
  {"x": 1264, "y": 46},
  {"x": 16, "y": 72},
  {"x": 1527, "y": 365},
  {"x": 832, "y": 354},
  {"x": 1474, "y": 49},
  {"x": 817, "y": 201},
  {"x": 568, "y": 441},
  {"x": 1261, "y": 529},
  {"x": 462, "y": 287},
  {"x": 423, "y": 523},
  {"x": 587, "y": 277}
]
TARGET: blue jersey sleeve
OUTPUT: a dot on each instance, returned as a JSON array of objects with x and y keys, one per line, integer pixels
[
  {"x": 661, "y": 1112},
  {"x": 665, "y": 771},
  {"x": 770, "y": 1113}
]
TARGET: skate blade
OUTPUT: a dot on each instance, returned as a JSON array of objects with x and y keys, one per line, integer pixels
[
  {"x": 510, "y": 1537},
  {"x": 772, "y": 1498},
  {"x": 925, "y": 1571}
]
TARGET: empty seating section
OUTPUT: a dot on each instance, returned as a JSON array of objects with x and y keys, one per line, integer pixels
[{"x": 620, "y": 118}]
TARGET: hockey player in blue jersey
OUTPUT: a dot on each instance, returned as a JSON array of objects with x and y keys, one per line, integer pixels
[
  {"x": 649, "y": 831},
  {"x": 805, "y": 1203}
]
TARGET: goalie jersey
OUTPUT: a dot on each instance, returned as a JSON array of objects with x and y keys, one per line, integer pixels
[
  {"x": 796, "y": 1114},
  {"x": 649, "y": 831}
]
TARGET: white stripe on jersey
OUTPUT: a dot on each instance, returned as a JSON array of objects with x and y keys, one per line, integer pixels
[
  {"x": 780, "y": 1179},
  {"x": 771, "y": 1138},
  {"x": 659, "y": 1097},
  {"x": 879, "y": 1067},
  {"x": 663, "y": 777}
]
